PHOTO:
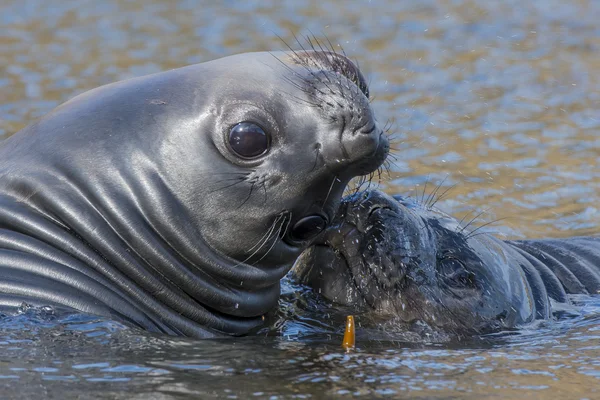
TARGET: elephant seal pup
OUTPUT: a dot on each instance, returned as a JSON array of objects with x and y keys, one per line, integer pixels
[
  {"x": 177, "y": 201},
  {"x": 401, "y": 261}
]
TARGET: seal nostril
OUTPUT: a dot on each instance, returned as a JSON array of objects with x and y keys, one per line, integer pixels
[
  {"x": 308, "y": 227},
  {"x": 374, "y": 209}
]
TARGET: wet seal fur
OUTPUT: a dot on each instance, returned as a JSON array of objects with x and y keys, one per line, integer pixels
[
  {"x": 397, "y": 260},
  {"x": 138, "y": 202}
]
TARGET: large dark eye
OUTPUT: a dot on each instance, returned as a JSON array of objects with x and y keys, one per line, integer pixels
[
  {"x": 308, "y": 227},
  {"x": 454, "y": 273},
  {"x": 248, "y": 140}
]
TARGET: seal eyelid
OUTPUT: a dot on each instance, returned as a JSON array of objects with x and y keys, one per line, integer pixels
[{"x": 248, "y": 140}]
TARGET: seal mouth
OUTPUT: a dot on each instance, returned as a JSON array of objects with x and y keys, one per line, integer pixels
[
  {"x": 305, "y": 229},
  {"x": 375, "y": 270}
]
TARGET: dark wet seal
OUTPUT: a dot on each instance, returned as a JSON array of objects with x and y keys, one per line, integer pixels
[
  {"x": 177, "y": 201},
  {"x": 396, "y": 260}
]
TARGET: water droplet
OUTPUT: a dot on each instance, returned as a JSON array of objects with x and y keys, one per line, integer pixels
[
  {"x": 47, "y": 310},
  {"x": 24, "y": 307}
]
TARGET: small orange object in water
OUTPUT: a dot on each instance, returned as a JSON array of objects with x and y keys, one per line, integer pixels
[{"x": 349, "y": 334}]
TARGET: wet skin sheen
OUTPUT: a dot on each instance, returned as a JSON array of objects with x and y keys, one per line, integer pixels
[
  {"x": 177, "y": 201},
  {"x": 395, "y": 259}
]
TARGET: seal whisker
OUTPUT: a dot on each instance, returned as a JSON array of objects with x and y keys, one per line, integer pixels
[
  {"x": 325, "y": 59},
  {"x": 358, "y": 183},
  {"x": 299, "y": 61},
  {"x": 465, "y": 216},
  {"x": 226, "y": 173},
  {"x": 278, "y": 236},
  {"x": 379, "y": 172},
  {"x": 388, "y": 165},
  {"x": 371, "y": 177},
  {"x": 294, "y": 74},
  {"x": 267, "y": 234},
  {"x": 441, "y": 196},
  {"x": 434, "y": 192},
  {"x": 473, "y": 220},
  {"x": 267, "y": 237},
  {"x": 322, "y": 48},
  {"x": 363, "y": 180},
  {"x": 238, "y": 181},
  {"x": 331, "y": 46},
  {"x": 264, "y": 186},
  {"x": 354, "y": 78},
  {"x": 252, "y": 184},
  {"x": 390, "y": 131},
  {"x": 470, "y": 234},
  {"x": 391, "y": 159},
  {"x": 290, "y": 69},
  {"x": 329, "y": 192},
  {"x": 422, "y": 199},
  {"x": 331, "y": 65},
  {"x": 317, "y": 105},
  {"x": 315, "y": 61}
]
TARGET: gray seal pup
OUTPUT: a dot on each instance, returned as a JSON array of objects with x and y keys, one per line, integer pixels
[
  {"x": 177, "y": 201},
  {"x": 398, "y": 260}
]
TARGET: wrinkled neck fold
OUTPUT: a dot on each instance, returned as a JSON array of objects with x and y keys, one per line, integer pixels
[{"x": 138, "y": 245}]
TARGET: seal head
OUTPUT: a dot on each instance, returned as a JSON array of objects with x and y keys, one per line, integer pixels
[
  {"x": 396, "y": 260},
  {"x": 177, "y": 201}
]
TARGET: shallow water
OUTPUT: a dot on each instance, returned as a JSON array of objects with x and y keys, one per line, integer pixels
[
  {"x": 74, "y": 355},
  {"x": 501, "y": 99}
]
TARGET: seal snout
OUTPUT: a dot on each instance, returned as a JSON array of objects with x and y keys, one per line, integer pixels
[
  {"x": 353, "y": 140},
  {"x": 352, "y": 143}
]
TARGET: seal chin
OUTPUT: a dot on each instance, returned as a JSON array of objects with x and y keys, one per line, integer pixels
[{"x": 327, "y": 272}]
